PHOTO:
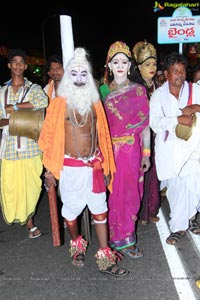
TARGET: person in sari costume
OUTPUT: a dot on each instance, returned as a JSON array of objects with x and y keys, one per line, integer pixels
[
  {"x": 145, "y": 57},
  {"x": 127, "y": 110}
]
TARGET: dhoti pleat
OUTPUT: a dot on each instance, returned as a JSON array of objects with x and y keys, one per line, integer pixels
[{"x": 20, "y": 188}]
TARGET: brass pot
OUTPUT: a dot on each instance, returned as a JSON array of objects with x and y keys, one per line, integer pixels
[
  {"x": 184, "y": 132},
  {"x": 26, "y": 122}
]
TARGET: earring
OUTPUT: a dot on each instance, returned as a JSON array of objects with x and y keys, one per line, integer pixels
[
  {"x": 129, "y": 72},
  {"x": 110, "y": 72}
]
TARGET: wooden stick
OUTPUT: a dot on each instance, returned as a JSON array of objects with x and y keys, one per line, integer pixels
[
  {"x": 54, "y": 216},
  {"x": 87, "y": 224}
]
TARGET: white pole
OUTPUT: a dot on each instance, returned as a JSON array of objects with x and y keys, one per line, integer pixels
[{"x": 67, "y": 41}]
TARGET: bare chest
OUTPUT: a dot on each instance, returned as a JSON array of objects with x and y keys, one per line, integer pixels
[{"x": 81, "y": 134}]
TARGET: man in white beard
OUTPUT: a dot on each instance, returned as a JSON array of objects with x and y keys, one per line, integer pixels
[{"x": 77, "y": 150}]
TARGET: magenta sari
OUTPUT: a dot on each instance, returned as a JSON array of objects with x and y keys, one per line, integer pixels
[{"x": 127, "y": 111}]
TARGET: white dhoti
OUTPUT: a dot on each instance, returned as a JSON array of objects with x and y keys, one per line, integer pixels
[
  {"x": 76, "y": 192},
  {"x": 183, "y": 194}
]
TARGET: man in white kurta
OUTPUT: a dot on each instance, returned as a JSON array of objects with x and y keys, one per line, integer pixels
[{"x": 177, "y": 160}]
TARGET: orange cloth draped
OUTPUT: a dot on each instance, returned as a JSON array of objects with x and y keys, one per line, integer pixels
[
  {"x": 52, "y": 139},
  {"x": 50, "y": 90}
]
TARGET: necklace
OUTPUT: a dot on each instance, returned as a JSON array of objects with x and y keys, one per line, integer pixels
[
  {"x": 149, "y": 84},
  {"x": 151, "y": 88},
  {"x": 75, "y": 124},
  {"x": 114, "y": 85},
  {"x": 74, "y": 121}
]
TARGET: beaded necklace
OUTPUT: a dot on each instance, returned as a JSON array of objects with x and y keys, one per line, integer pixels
[
  {"x": 114, "y": 85},
  {"x": 74, "y": 122},
  {"x": 151, "y": 88}
]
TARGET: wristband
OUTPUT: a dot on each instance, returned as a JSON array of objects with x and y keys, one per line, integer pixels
[{"x": 15, "y": 107}]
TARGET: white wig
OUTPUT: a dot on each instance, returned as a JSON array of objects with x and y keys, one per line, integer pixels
[{"x": 79, "y": 60}]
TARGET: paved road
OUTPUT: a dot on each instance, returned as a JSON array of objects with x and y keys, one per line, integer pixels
[{"x": 32, "y": 269}]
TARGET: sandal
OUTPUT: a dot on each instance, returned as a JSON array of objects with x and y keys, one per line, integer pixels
[
  {"x": 34, "y": 232},
  {"x": 174, "y": 237},
  {"x": 132, "y": 252},
  {"x": 78, "y": 260},
  {"x": 194, "y": 226},
  {"x": 115, "y": 270}
]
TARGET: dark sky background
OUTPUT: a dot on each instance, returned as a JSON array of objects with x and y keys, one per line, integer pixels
[{"x": 95, "y": 26}]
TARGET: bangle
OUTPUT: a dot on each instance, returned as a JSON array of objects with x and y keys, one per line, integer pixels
[
  {"x": 146, "y": 152},
  {"x": 15, "y": 107}
]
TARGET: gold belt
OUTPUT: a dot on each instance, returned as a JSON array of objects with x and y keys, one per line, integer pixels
[{"x": 126, "y": 139}]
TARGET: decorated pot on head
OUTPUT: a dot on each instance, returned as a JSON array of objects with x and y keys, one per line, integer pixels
[{"x": 143, "y": 51}]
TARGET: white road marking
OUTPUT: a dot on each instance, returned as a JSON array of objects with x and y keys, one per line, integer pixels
[{"x": 178, "y": 273}]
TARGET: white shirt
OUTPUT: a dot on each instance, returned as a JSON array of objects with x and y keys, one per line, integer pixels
[{"x": 174, "y": 156}]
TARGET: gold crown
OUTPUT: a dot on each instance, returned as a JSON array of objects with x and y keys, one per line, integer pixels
[
  {"x": 142, "y": 51},
  {"x": 118, "y": 47}
]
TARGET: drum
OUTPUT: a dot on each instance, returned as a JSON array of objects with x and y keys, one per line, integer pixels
[
  {"x": 26, "y": 122},
  {"x": 184, "y": 132}
]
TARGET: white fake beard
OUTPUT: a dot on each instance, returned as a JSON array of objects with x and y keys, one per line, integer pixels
[{"x": 79, "y": 98}]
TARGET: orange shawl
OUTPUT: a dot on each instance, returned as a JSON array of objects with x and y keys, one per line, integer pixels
[
  {"x": 50, "y": 90},
  {"x": 52, "y": 139}
]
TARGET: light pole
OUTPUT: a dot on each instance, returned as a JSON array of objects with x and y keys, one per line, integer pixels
[{"x": 43, "y": 36}]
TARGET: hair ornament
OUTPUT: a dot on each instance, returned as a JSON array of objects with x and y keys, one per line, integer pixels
[
  {"x": 118, "y": 47},
  {"x": 142, "y": 51}
]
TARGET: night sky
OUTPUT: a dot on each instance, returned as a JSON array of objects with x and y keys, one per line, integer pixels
[{"x": 95, "y": 26}]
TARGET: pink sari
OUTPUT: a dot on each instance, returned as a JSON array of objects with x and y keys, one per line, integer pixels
[{"x": 127, "y": 111}]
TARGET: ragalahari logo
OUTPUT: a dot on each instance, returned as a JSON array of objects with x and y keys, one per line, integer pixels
[
  {"x": 192, "y": 6},
  {"x": 157, "y": 7}
]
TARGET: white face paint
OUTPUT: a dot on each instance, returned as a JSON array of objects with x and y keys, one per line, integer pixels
[
  {"x": 120, "y": 66},
  {"x": 79, "y": 76}
]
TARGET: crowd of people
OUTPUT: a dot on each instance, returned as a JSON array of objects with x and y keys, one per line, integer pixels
[{"x": 112, "y": 147}]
